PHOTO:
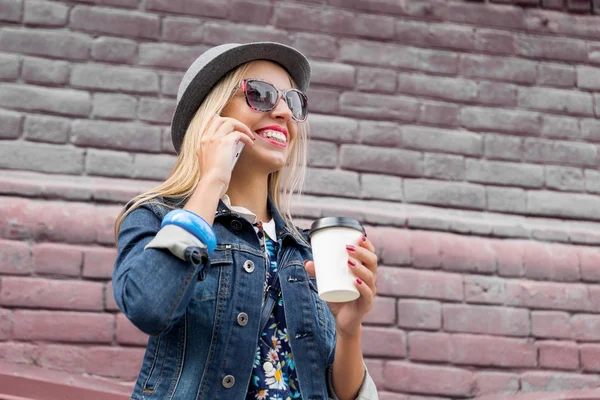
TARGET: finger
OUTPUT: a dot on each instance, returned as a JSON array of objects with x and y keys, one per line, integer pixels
[
  {"x": 366, "y": 294},
  {"x": 240, "y": 126},
  {"x": 224, "y": 129},
  {"x": 363, "y": 273},
  {"x": 229, "y": 127},
  {"x": 237, "y": 136},
  {"x": 310, "y": 268},
  {"x": 215, "y": 124},
  {"x": 366, "y": 243},
  {"x": 364, "y": 255}
]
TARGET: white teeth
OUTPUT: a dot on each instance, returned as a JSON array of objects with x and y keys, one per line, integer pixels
[{"x": 275, "y": 135}]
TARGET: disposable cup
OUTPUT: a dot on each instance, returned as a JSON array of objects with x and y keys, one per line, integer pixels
[{"x": 329, "y": 238}]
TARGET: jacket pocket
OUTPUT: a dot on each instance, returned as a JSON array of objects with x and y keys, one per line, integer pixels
[
  {"x": 164, "y": 355},
  {"x": 216, "y": 278}
]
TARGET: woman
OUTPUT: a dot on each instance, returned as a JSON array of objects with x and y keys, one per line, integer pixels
[{"x": 200, "y": 255}]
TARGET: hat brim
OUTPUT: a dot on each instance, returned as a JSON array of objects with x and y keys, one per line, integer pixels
[{"x": 207, "y": 73}]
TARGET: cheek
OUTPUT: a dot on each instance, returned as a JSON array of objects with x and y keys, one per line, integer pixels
[
  {"x": 294, "y": 135},
  {"x": 239, "y": 110}
]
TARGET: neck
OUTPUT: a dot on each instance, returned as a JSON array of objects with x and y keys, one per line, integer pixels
[{"x": 250, "y": 191}]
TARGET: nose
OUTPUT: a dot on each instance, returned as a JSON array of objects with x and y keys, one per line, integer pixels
[{"x": 282, "y": 110}]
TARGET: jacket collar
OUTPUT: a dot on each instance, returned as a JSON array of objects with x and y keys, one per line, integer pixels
[{"x": 225, "y": 208}]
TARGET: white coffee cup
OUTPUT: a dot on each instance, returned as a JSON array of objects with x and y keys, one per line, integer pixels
[{"x": 329, "y": 238}]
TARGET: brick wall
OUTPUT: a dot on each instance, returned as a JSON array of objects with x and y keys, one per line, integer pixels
[{"x": 465, "y": 135}]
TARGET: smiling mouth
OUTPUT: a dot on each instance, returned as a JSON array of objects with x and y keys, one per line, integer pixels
[{"x": 274, "y": 136}]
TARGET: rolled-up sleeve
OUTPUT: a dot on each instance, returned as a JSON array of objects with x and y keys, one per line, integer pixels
[
  {"x": 368, "y": 390},
  {"x": 175, "y": 239}
]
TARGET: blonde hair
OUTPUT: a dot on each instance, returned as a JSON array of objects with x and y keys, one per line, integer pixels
[{"x": 185, "y": 175}]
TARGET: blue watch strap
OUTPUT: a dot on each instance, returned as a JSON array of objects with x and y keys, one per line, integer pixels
[{"x": 194, "y": 224}]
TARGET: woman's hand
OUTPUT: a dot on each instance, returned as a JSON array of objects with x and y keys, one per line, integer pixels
[
  {"x": 350, "y": 315},
  {"x": 217, "y": 148}
]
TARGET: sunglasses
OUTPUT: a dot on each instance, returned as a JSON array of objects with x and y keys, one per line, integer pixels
[{"x": 262, "y": 96}]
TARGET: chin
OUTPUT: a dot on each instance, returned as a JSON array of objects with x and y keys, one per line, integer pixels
[{"x": 276, "y": 167}]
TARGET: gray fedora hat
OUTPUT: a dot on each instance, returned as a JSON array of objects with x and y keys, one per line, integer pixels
[{"x": 216, "y": 62}]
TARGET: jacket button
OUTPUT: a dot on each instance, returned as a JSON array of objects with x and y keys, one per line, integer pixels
[
  {"x": 242, "y": 319},
  {"x": 268, "y": 367},
  {"x": 228, "y": 382},
  {"x": 236, "y": 225},
  {"x": 249, "y": 266}
]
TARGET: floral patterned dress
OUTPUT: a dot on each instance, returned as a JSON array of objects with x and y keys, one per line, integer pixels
[{"x": 274, "y": 374}]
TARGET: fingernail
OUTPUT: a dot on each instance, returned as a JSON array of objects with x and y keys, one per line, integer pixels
[
  {"x": 305, "y": 262},
  {"x": 351, "y": 263},
  {"x": 358, "y": 281},
  {"x": 364, "y": 238},
  {"x": 350, "y": 248}
]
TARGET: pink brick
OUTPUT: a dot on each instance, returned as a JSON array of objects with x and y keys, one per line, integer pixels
[
  {"x": 558, "y": 355},
  {"x": 439, "y": 114},
  {"x": 105, "y": 220},
  {"x": 109, "y": 298},
  {"x": 391, "y": 396},
  {"x": 467, "y": 254},
  {"x": 425, "y": 249},
  {"x": 590, "y": 357},
  {"x": 383, "y": 311},
  {"x": 420, "y": 314},
  {"x": 536, "y": 257},
  {"x": 485, "y": 15},
  {"x": 427, "y": 346},
  {"x": 495, "y": 41},
  {"x": 594, "y": 293},
  {"x": 118, "y": 362},
  {"x": 383, "y": 342},
  {"x": 495, "y": 383},
  {"x": 589, "y": 259},
  {"x": 6, "y": 324},
  {"x": 57, "y": 259},
  {"x": 115, "y": 22},
  {"x": 61, "y": 357},
  {"x": 395, "y": 245},
  {"x": 51, "y": 221},
  {"x": 551, "y": 262},
  {"x": 99, "y": 262},
  {"x": 547, "y": 295},
  {"x": 414, "y": 378},
  {"x": 400, "y": 396},
  {"x": 127, "y": 333},
  {"x": 80, "y": 221},
  {"x": 15, "y": 257},
  {"x": 551, "y": 324},
  {"x": 47, "y": 293},
  {"x": 509, "y": 254},
  {"x": 63, "y": 326},
  {"x": 490, "y": 351},
  {"x": 486, "y": 320},
  {"x": 586, "y": 327},
  {"x": 402, "y": 282},
  {"x": 484, "y": 289},
  {"x": 17, "y": 353},
  {"x": 538, "y": 381}
]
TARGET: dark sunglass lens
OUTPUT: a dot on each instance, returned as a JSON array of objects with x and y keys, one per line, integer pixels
[
  {"x": 297, "y": 104},
  {"x": 261, "y": 95}
]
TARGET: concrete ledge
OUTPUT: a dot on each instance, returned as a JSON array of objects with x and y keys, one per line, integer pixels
[{"x": 25, "y": 382}]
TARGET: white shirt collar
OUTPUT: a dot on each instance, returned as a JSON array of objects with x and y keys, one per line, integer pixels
[{"x": 269, "y": 226}]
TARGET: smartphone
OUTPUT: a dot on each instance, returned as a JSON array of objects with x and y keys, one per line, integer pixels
[{"x": 238, "y": 150}]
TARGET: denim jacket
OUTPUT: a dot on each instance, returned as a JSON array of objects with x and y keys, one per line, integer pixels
[{"x": 202, "y": 313}]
